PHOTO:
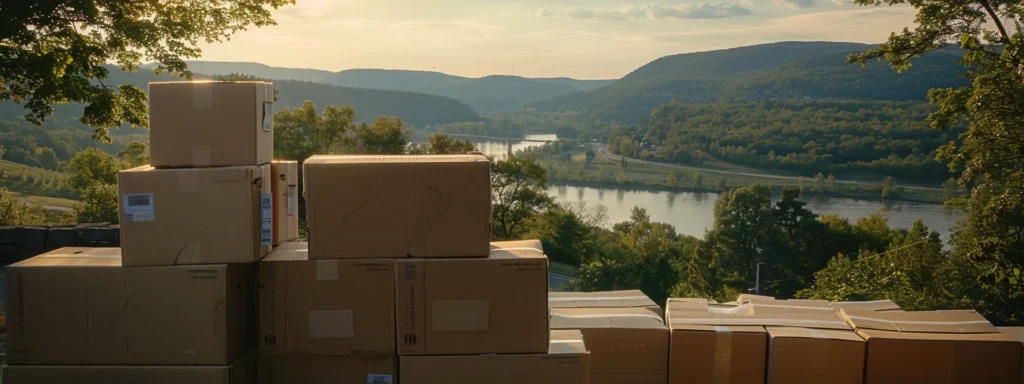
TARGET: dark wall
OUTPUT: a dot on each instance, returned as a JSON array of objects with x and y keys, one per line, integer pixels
[{"x": 20, "y": 243}]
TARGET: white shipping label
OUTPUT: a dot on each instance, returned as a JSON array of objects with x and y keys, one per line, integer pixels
[
  {"x": 292, "y": 201},
  {"x": 268, "y": 117},
  {"x": 138, "y": 207},
  {"x": 267, "y": 227},
  {"x": 378, "y": 379}
]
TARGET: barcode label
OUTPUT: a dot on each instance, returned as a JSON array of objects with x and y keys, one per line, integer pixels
[
  {"x": 292, "y": 202},
  {"x": 138, "y": 207},
  {"x": 267, "y": 219},
  {"x": 378, "y": 379},
  {"x": 268, "y": 116}
]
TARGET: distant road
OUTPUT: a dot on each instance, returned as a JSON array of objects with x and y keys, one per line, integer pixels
[
  {"x": 602, "y": 150},
  {"x": 56, "y": 208},
  {"x": 557, "y": 281}
]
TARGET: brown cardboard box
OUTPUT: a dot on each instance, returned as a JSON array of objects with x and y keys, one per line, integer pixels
[
  {"x": 1016, "y": 333},
  {"x": 496, "y": 304},
  {"x": 284, "y": 183},
  {"x": 713, "y": 348},
  {"x": 211, "y": 124},
  {"x": 327, "y": 370},
  {"x": 566, "y": 362},
  {"x": 325, "y": 307},
  {"x": 607, "y": 299},
  {"x": 194, "y": 216},
  {"x": 240, "y": 372},
  {"x": 935, "y": 347},
  {"x": 80, "y": 306},
  {"x": 627, "y": 345},
  {"x": 807, "y": 355},
  {"x": 398, "y": 206},
  {"x": 876, "y": 305}
]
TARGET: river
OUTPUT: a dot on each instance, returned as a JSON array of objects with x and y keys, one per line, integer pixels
[{"x": 692, "y": 213}]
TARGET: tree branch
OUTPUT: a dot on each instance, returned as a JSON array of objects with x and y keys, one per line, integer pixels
[{"x": 995, "y": 19}]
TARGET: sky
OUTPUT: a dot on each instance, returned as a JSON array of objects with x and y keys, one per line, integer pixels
[{"x": 586, "y": 39}]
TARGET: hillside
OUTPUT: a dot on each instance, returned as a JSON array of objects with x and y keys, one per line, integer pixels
[
  {"x": 485, "y": 94},
  {"x": 255, "y": 69},
  {"x": 778, "y": 70}
]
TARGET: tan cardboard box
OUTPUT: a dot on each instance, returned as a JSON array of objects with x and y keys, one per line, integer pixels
[
  {"x": 822, "y": 356},
  {"x": 284, "y": 184},
  {"x": 1016, "y": 333},
  {"x": 211, "y": 124},
  {"x": 327, "y": 370},
  {"x": 496, "y": 304},
  {"x": 606, "y": 299},
  {"x": 935, "y": 347},
  {"x": 875, "y": 305},
  {"x": 240, "y": 372},
  {"x": 706, "y": 347},
  {"x": 566, "y": 362},
  {"x": 194, "y": 216},
  {"x": 398, "y": 206},
  {"x": 325, "y": 307},
  {"x": 77, "y": 306},
  {"x": 627, "y": 345}
]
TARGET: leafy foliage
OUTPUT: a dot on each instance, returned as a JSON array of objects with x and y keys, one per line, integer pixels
[
  {"x": 98, "y": 204},
  {"x": 93, "y": 166},
  {"x": 441, "y": 144},
  {"x": 16, "y": 212},
  {"x": 135, "y": 154},
  {"x": 517, "y": 193}
]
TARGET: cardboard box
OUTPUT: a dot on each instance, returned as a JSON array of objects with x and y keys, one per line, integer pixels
[
  {"x": 606, "y": 299},
  {"x": 1016, "y": 333},
  {"x": 566, "y": 362},
  {"x": 496, "y": 304},
  {"x": 194, "y": 216},
  {"x": 807, "y": 355},
  {"x": 240, "y": 372},
  {"x": 627, "y": 345},
  {"x": 78, "y": 306},
  {"x": 935, "y": 347},
  {"x": 876, "y": 305},
  {"x": 211, "y": 124},
  {"x": 284, "y": 184},
  {"x": 327, "y": 370},
  {"x": 705, "y": 349},
  {"x": 325, "y": 307},
  {"x": 398, "y": 206}
]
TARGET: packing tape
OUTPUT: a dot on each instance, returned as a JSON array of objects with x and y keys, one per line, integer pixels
[
  {"x": 721, "y": 329},
  {"x": 611, "y": 315},
  {"x": 603, "y": 298},
  {"x": 202, "y": 95},
  {"x": 541, "y": 251},
  {"x": 721, "y": 366},
  {"x": 755, "y": 305},
  {"x": 750, "y": 321},
  {"x": 326, "y": 270},
  {"x": 817, "y": 333},
  {"x": 188, "y": 181},
  {"x": 568, "y": 341},
  {"x": 202, "y": 155},
  {"x": 910, "y": 322}
]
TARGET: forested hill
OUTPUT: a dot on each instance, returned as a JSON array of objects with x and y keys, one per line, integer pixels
[
  {"x": 768, "y": 71},
  {"x": 485, "y": 94},
  {"x": 255, "y": 69}
]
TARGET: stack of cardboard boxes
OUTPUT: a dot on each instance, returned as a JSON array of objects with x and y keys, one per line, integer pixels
[{"x": 176, "y": 303}]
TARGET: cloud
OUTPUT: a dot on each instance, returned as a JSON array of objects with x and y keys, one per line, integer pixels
[
  {"x": 797, "y": 3},
  {"x": 649, "y": 12}
]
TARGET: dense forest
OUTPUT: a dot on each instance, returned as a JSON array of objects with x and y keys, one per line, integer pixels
[{"x": 843, "y": 138}]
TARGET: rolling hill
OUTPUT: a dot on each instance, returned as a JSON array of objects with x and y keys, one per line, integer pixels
[{"x": 255, "y": 69}]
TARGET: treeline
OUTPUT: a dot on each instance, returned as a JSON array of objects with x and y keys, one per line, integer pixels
[
  {"x": 56, "y": 142},
  {"x": 843, "y": 138}
]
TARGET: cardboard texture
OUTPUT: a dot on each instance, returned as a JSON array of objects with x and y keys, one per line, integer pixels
[
  {"x": 240, "y": 372},
  {"x": 566, "y": 362},
  {"x": 806, "y": 355},
  {"x": 627, "y": 345},
  {"x": 194, "y": 216},
  {"x": 285, "y": 184},
  {"x": 496, "y": 304},
  {"x": 325, "y": 307},
  {"x": 718, "y": 353},
  {"x": 327, "y": 370},
  {"x": 607, "y": 299},
  {"x": 398, "y": 206},
  {"x": 1016, "y": 333},
  {"x": 876, "y": 305},
  {"x": 935, "y": 347},
  {"x": 80, "y": 306},
  {"x": 211, "y": 124}
]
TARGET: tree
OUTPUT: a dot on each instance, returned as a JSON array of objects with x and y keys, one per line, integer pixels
[
  {"x": 98, "y": 204},
  {"x": 92, "y": 166},
  {"x": 831, "y": 183},
  {"x": 440, "y": 144},
  {"x": 698, "y": 181},
  {"x": 819, "y": 183},
  {"x": 801, "y": 185},
  {"x": 672, "y": 180},
  {"x": 887, "y": 188},
  {"x": 2, "y": 151},
  {"x": 744, "y": 230},
  {"x": 56, "y": 52},
  {"x": 135, "y": 154},
  {"x": 16, "y": 212},
  {"x": 47, "y": 158},
  {"x": 590, "y": 154},
  {"x": 949, "y": 189},
  {"x": 387, "y": 135},
  {"x": 620, "y": 178},
  {"x": 301, "y": 132},
  {"x": 518, "y": 192}
]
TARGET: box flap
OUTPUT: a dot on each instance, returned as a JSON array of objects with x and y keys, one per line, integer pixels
[
  {"x": 605, "y": 299},
  {"x": 1014, "y": 332},
  {"x": 580, "y": 318},
  {"x": 948, "y": 322},
  {"x": 521, "y": 249},
  {"x": 370, "y": 159},
  {"x": 289, "y": 251},
  {"x": 75, "y": 257},
  {"x": 690, "y": 312},
  {"x": 810, "y": 333},
  {"x": 876, "y": 305},
  {"x": 747, "y": 297},
  {"x": 567, "y": 341}
]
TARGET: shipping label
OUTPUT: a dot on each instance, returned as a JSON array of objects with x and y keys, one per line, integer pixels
[
  {"x": 291, "y": 200},
  {"x": 138, "y": 207},
  {"x": 267, "y": 222},
  {"x": 378, "y": 379},
  {"x": 268, "y": 117}
]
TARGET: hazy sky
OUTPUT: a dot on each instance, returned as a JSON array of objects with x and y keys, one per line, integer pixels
[{"x": 575, "y": 38}]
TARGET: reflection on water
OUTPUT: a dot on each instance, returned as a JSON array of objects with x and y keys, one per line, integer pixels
[{"x": 497, "y": 149}]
